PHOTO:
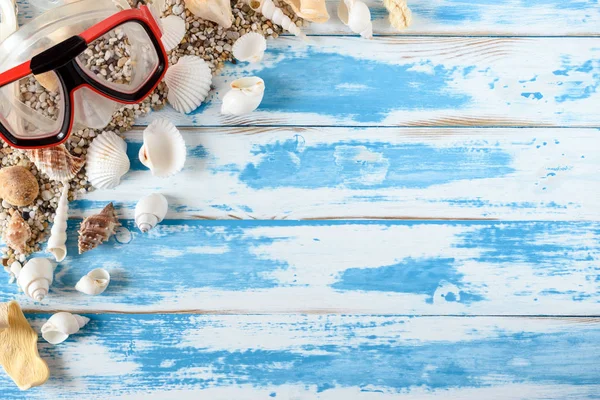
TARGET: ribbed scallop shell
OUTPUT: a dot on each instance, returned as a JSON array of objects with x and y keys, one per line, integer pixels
[
  {"x": 17, "y": 233},
  {"x": 56, "y": 162},
  {"x": 97, "y": 229},
  {"x": 164, "y": 149},
  {"x": 189, "y": 83},
  {"x": 250, "y": 47},
  {"x": 107, "y": 160},
  {"x": 173, "y": 28}
]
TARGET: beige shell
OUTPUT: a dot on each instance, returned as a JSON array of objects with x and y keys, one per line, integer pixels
[
  {"x": 310, "y": 10},
  {"x": 97, "y": 228},
  {"x": 218, "y": 11},
  {"x": 56, "y": 162},
  {"x": 18, "y": 186},
  {"x": 17, "y": 233}
]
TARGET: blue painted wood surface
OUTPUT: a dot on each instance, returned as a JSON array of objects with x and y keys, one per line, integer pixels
[{"x": 471, "y": 273}]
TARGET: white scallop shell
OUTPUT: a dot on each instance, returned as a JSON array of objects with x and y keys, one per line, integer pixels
[
  {"x": 58, "y": 234},
  {"x": 189, "y": 83},
  {"x": 59, "y": 326},
  {"x": 150, "y": 210},
  {"x": 107, "y": 160},
  {"x": 36, "y": 277},
  {"x": 357, "y": 16},
  {"x": 250, "y": 47},
  {"x": 163, "y": 150},
  {"x": 173, "y": 31},
  {"x": 95, "y": 282},
  {"x": 244, "y": 96}
]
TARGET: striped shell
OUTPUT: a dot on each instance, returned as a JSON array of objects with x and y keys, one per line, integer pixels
[
  {"x": 56, "y": 162},
  {"x": 97, "y": 228},
  {"x": 17, "y": 233}
]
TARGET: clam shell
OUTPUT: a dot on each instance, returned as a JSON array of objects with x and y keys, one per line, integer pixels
[
  {"x": 250, "y": 47},
  {"x": 97, "y": 229},
  {"x": 189, "y": 83},
  {"x": 107, "y": 160},
  {"x": 164, "y": 149},
  {"x": 56, "y": 162},
  {"x": 18, "y": 186},
  {"x": 173, "y": 28}
]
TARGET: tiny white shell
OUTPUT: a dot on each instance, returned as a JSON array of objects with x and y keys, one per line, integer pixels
[
  {"x": 189, "y": 83},
  {"x": 244, "y": 96},
  {"x": 357, "y": 16},
  {"x": 36, "y": 277},
  {"x": 59, "y": 326},
  {"x": 95, "y": 282},
  {"x": 164, "y": 149},
  {"x": 173, "y": 28},
  {"x": 250, "y": 47},
  {"x": 150, "y": 210},
  {"x": 107, "y": 160}
]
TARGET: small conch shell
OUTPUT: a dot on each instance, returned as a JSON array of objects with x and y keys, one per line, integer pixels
[
  {"x": 356, "y": 15},
  {"x": 150, "y": 210},
  {"x": 60, "y": 325},
  {"x": 107, "y": 160},
  {"x": 97, "y": 228},
  {"x": 56, "y": 162},
  {"x": 244, "y": 96},
  {"x": 163, "y": 150},
  {"x": 250, "y": 47},
  {"x": 58, "y": 234},
  {"x": 18, "y": 186},
  {"x": 17, "y": 233},
  {"x": 95, "y": 282},
  {"x": 270, "y": 11},
  {"x": 310, "y": 10},
  {"x": 218, "y": 11},
  {"x": 189, "y": 83},
  {"x": 35, "y": 277},
  {"x": 173, "y": 31}
]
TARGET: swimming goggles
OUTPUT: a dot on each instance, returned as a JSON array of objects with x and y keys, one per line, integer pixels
[{"x": 120, "y": 58}]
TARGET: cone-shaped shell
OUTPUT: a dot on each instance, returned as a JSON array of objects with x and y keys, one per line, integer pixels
[
  {"x": 58, "y": 234},
  {"x": 17, "y": 233},
  {"x": 56, "y": 162},
  {"x": 150, "y": 210},
  {"x": 270, "y": 11},
  {"x": 97, "y": 229},
  {"x": 36, "y": 277},
  {"x": 95, "y": 282},
  {"x": 250, "y": 47},
  {"x": 107, "y": 161},
  {"x": 218, "y": 11},
  {"x": 310, "y": 10},
  {"x": 244, "y": 96},
  {"x": 59, "y": 326},
  {"x": 189, "y": 83},
  {"x": 356, "y": 15},
  {"x": 18, "y": 186},
  {"x": 173, "y": 29},
  {"x": 164, "y": 149}
]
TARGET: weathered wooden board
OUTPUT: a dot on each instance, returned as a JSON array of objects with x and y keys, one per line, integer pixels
[
  {"x": 265, "y": 173},
  {"x": 425, "y": 81},
  {"x": 462, "y": 17},
  {"x": 380, "y": 267},
  {"x": 327, "y": 357}
]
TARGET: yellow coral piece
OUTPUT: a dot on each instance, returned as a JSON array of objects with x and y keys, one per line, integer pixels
[
  {"x": 18, "y": 349},
  {"x": 400, "y": 15}
]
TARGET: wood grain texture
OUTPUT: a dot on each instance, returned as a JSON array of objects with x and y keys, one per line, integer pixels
[
  {"x": 327, "y": 357},
  {"x": 416, "y": 81},
  {"x": 379, "y": 267},
  {"x": 292, "y": 173},
  {"x": 462, "y": 17}
]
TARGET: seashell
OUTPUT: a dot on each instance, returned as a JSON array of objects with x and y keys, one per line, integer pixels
[
  {"x": 150, "y": 210},
  {"x": 244, "y": 96},
  {"x": 48, "y": 80},
  {"x": 56, "y": 162},
  {"x": 173, "y": 31},
  {"x": 270, "y": 11},
  {"x": 310, "y": 10},
  {"x": 163, "y": 150},
  {"x": 356, "y": 15},
  {"x": 97, "y": 228},
  {"x": 218, "y": 11},
  {"x": 400, "y": 15},
  {"x": 18, "y": 186},
  {"x": 95, "y": 282},
  {"x": 250, "y": 47},
  {"x": 35, "y": 277},
  {"x": 61, "y": 325},
  {"x": 8, "y": 22},
  {"x": 107, "y": 160},
  {"x": 17, "y": 233},
  {"x": 189, "y": 83},
  {"x": 58, "y": 234}
]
